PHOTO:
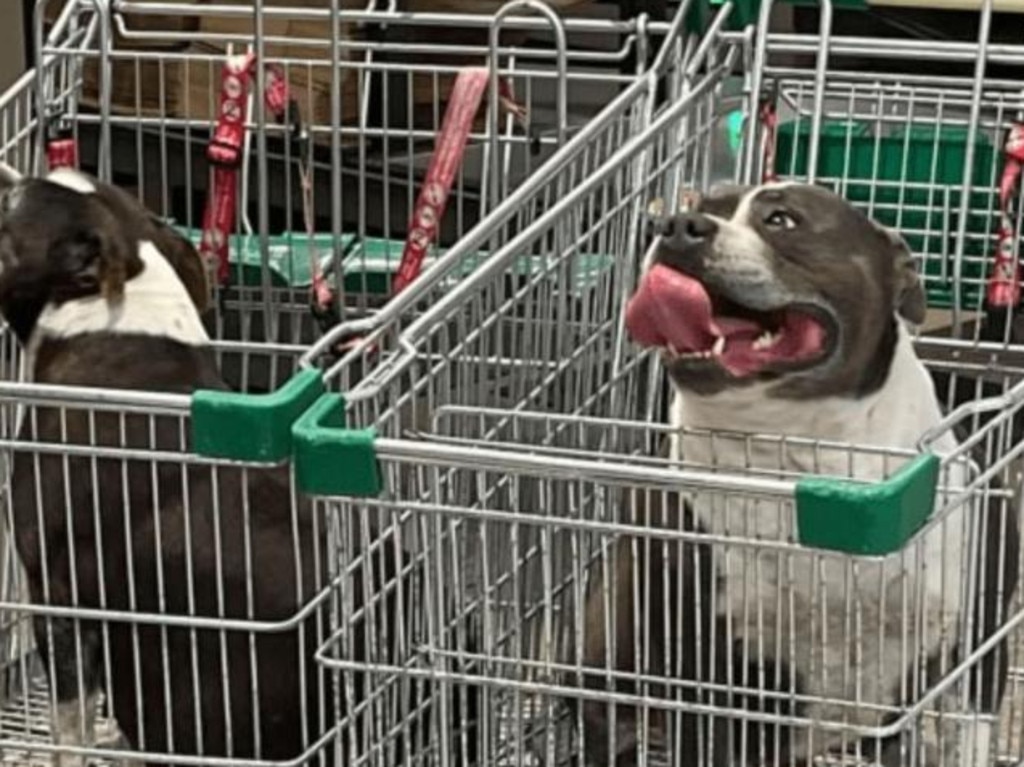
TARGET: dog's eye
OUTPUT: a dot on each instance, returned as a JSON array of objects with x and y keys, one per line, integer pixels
[{"x": 779, "y": 219}]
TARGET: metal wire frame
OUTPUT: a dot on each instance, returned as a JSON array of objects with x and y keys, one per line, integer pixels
[
  {"x": 370, "y": 157},
  {"x": 157, "y": 623},
  {"x": 517, "y": 514},
  {"x": 540, "y": 315},
  {"x": 503, "y": 410}
]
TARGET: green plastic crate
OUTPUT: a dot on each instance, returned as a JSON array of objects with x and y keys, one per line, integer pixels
[
  {"x": 924, "y": 154},
  {"x": 288, "y": 257},
  {"x": 372, "y": 262},
  {"x": 369, "y": 264}
]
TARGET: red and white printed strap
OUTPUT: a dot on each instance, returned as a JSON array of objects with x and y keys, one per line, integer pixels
[
  {"x": 463, "y": 106},
  {"x": 769, "y": 122},
  {"x": 61, "y": 145},
  {"x": 1003, "y": 289},
  {"x": 225, "y": 152}
]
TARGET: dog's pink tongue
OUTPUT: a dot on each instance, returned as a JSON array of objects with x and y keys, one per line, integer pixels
[{"x": 671, "y": 309}]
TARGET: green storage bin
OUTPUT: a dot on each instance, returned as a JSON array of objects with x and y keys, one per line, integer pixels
[
  {"x": 288, "y": 257},
  {"x": 369, "y": 264},
  {"x": 372, "y": 262}
]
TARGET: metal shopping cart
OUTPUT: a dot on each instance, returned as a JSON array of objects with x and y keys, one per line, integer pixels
[
  {"x": 513, "y": 440},
  {"x": 131, "y": 91},
  {"x": 329, "y": 174}
]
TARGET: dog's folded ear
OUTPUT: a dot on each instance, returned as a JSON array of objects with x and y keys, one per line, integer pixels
[
  {"x": 909, "y": 298},
  {"x": 185, "y": 260},
  {"x": 91, "y": 260}
]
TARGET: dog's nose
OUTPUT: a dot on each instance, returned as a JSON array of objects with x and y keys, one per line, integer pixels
[{"x": 684, "y": 230}]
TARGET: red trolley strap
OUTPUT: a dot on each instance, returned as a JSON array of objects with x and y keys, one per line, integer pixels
[
  {"x": 61, "y": 145},
  {"x": 225, "y": 153},
  {"x": 769, "y": 118},
  {"x": 463, "y": 105},
  {"x": 322, "y": 297},
  {"x": 1003, "y": 289}
]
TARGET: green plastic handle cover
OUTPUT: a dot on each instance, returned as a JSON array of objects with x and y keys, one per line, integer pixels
[
  {"x": 331, "y": 459},
  {"x": 867, "y": 519},
  {"x": 252, "y": 427}
]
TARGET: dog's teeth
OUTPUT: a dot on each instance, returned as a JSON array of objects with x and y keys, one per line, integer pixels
[
  {"x": 706, "y": 354},
  {"x": 719, "y": 346},
  {"x": 765, "y": 340}
]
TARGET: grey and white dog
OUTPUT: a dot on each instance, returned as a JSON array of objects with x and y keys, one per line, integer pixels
[{"x": 782, "y": 310}]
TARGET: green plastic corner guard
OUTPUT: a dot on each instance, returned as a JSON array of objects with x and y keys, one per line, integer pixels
[
  {"x": 252, "y": 427},
  {"x": 867, "y": 519},
  {"x": 331, "y": 459}
]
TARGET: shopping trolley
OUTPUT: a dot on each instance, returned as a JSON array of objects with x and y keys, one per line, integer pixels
[
  {"x": 327, "y": 176},
  {"x": 514, "y": 437},
  {"x": 131, "y": 91}
]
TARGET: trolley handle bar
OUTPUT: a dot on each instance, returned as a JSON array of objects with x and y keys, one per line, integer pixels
[
  {"x": 410, "y": 18},
  {"x": 353, "y": 45},
  {"x": 516, "y": 461},
  {"x": 57, "y": 394}
]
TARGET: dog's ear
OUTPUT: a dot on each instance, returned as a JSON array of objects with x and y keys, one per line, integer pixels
[
  {"x": 89, "y": 261},
  {"x": 185, "y": 260},
  {"x": 909, "y": 296}
]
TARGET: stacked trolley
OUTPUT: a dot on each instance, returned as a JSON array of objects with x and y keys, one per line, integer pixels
[
  {"x": 326, "y": 192},
  {"x": 509, "y": 440}
]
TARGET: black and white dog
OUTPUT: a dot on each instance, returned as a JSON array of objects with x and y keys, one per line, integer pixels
[
  {"x": 780, "y": 310},
  {"x": 102, "y": 294}
]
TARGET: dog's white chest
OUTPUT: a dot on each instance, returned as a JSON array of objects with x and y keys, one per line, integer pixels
[{"x": 851, "y": 628}]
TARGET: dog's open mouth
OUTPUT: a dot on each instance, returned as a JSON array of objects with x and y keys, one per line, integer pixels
[{"x": 678, "y": 313}]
